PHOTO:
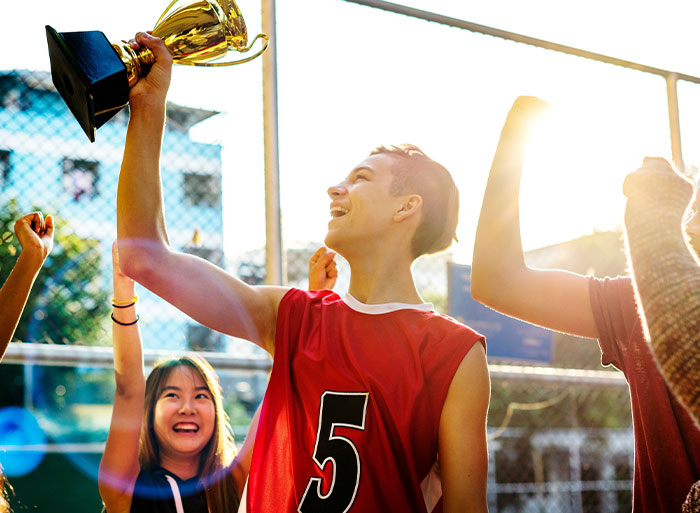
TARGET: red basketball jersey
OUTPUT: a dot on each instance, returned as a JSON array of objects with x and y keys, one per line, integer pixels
[{"x": 350, "y": 419}]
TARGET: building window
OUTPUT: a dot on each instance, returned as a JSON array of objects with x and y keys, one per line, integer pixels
[
  {"x": 202, "y": 190},
  {"x": 80, "y": 178},
  {"x": 4, "y": 168},
  {"x": 12, "y": 101}
]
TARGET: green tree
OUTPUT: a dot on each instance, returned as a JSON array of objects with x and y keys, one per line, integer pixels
[{"x": 67, "y": 304}]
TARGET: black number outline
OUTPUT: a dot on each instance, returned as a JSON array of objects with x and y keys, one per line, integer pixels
[{"x": 332, "y": 436}]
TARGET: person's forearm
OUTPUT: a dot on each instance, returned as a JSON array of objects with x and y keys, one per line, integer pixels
[
  {"x": 140, "y": 215},
  {"x": 498, "y": 231},
  {"x": 667, "y": 280},
  {"x": 126, "y": 340},
  {"x": 13, "y": 296}
]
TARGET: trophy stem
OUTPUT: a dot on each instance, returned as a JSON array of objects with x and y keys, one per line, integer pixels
[{"x": 137, "y": 62}]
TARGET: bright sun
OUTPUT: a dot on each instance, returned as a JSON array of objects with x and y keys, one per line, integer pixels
[{"x": 576, "y": 163}]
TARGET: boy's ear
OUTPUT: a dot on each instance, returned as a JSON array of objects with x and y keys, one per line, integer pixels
[{"x": 410, "y": 206}]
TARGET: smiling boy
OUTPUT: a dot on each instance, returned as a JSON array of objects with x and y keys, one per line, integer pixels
[{"x": 365, "y": 390}]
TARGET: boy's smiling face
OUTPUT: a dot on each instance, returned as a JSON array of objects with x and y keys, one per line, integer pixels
[{"x": 362, "y": 206}]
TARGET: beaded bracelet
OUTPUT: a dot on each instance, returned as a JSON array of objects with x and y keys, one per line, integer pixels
[{"x": 125, "y": 323}]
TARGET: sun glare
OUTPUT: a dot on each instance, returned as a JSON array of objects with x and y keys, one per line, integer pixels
[{"x": 575, "y": 166}]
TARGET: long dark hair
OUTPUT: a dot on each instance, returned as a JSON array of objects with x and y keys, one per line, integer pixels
[
  {"x": 5, "y": 490},
  {"x": 216, "y": 457}
]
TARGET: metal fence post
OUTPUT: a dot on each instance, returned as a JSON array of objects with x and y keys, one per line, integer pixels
[
  {"x": 275, "y": 273},
  {"x": 674, "y": 120}
]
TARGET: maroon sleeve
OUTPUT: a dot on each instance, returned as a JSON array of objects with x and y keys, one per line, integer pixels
[{"x": 615, "y": 313}]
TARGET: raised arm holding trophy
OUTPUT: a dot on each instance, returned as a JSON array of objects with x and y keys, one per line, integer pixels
[{"x": 94, "y": 76}]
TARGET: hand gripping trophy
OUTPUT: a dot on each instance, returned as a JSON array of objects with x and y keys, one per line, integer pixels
[{"x": 94, "y": 76}]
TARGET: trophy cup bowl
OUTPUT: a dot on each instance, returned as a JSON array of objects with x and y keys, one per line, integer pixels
[{"x": 94, "y": 76}]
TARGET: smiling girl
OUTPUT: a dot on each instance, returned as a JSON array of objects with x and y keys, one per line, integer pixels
[{"x": 170, "y": 447}]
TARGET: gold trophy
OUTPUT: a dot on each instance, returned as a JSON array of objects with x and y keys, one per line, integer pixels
[{"x": 94, "y": 76}]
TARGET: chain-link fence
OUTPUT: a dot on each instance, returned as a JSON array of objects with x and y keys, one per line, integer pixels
[
  {"x": 560, "y": 446},
  {"x": 557, "y": 447},
  {"x": 560, "y": 440},
  {"x": 47, "y": 164}
]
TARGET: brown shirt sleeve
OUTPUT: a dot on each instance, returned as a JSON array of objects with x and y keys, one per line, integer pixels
[{"x": 615, "y": 314}]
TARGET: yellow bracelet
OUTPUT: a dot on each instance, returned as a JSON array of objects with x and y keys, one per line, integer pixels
[{"x": 127, "y": 302}]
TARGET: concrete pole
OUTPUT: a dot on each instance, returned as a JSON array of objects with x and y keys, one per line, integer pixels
[
  {"x": 674, "y": 120},
  {"x": 275, "y": 271}
]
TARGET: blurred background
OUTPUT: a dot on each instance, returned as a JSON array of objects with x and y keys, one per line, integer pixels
[{"x": 350, "y": 77}]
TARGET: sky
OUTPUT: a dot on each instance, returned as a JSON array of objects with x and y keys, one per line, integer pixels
[{"x": 351, "y": 77}]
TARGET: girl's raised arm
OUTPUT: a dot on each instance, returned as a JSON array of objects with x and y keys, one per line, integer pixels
[{"x": 119, "y": 467}]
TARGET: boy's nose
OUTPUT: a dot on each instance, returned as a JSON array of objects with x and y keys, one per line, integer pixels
[{"x": 336, "y": 190}]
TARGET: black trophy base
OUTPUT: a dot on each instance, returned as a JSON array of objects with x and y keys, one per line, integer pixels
[{"x": 89, "y": 75}]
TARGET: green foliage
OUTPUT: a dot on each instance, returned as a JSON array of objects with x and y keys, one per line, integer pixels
[
  {"x": 557, "y": 406},
  {"x": 237, "y": 413},
  {"x": 438, "y": 300},
  {"x": 67, "y": 304}
]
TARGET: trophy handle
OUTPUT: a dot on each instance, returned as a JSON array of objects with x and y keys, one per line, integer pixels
[
  {"x": 266, "y": 41},
  {"x": 165, "y": 12}
]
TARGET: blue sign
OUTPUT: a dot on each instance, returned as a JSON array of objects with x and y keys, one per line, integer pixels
[{"x": 506, "y": 338}]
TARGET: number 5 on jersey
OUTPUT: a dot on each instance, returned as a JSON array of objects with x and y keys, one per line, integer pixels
[{"x": 346, "y": 409}]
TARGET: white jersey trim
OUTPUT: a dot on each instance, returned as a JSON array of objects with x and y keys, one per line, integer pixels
[
  {"x": 432, "y": 488},
  {"x": 243, "y": 506},
  {"x": 384, "y": 307}
]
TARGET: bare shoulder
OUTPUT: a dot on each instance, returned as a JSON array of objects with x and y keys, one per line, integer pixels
[
  {"x": 273, "y": 294},
  {"x": 470, "y": 389},
  {"x": 473, "y": 371}
]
